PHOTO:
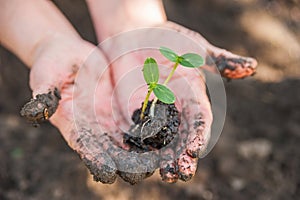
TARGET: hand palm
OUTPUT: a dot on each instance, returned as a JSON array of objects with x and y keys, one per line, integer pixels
[{"x": 188, "y": 84}]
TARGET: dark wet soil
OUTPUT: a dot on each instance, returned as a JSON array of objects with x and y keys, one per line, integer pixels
[
  {"x": 256, "y": 157},
  {"x": 153, "y": 132}
]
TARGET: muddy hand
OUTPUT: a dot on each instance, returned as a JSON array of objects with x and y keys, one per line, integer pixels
[
  {"x": 179, "y": 160},
  {"x": 66, "y": 79},
  {"x": 39, "y": 34},
  {"x": 196, "y": 112}
]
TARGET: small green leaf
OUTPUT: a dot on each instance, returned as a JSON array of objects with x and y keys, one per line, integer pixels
[
  {"x": 168, "y": 53},
  {"x": 164, "y": 94},
  {"x": 150, "y": 71},
  {"x": 191, "y": 60}
]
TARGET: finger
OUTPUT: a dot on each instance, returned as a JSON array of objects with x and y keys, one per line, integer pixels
[
  {"x": 51, "y": 74},
  {"x": 82, "y": 135},
  {"x": 186, "y": 165},
  {"x": 91, "y": 151},
  {"x": 57, "y": 65},
  {"x": 230, "y": 65},
  {"x": 133, "y": 167},
  {"x": 195, "y": 105},
  {"x": 41, "y": 108},
  {"x": 198, "y": 118},
  {"x": 168, "y": 166}
]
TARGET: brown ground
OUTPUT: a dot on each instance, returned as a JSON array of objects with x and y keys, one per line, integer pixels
[{"x": 257, "y": 156}]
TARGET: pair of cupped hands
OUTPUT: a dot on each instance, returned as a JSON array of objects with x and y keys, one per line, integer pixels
[{"x": 101, "y": 86}]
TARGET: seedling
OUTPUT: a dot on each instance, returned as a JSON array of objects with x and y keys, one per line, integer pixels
[
  {"x": 155, "y": 127},
  {"x": 151, "y": 76}
]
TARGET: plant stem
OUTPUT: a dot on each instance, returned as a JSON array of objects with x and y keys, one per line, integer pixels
[
  {"x": 145, "y": 103},
  {"x": 171, "y": 73},
  {"x": 165, "y": 83}
]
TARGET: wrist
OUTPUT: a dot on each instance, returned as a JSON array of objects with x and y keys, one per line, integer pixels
[
  {"x": 116, "y": 16},
  {"x": 26, "y": 24},
  {"x": 56, "y": 60},
  {"x": 54, "y": 46}
]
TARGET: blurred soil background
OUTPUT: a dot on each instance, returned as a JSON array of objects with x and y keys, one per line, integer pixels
[{"x": 257, "y": 155}]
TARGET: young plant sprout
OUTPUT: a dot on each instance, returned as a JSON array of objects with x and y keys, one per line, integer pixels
[{"x": 151, "y": 76}]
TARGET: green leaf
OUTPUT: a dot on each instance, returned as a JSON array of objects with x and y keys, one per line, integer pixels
[
  {"x": 150, "y": 71},
  {"x": 168, "y": 53},
  {"x": 191, "y": 60},
  {"x": 164, "y": 94}
]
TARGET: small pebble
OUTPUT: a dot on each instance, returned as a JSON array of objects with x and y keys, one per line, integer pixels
[
  {"x": 257, "y": 148},
  {"x": 237, "y": 184}
]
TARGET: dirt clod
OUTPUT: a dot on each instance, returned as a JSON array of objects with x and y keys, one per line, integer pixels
[
  {"x": 41, "y": 108},
  {"x": 153, "y": 132}
]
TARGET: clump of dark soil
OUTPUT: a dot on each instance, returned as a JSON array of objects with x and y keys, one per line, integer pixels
[
  {"x": 41, "y": 108},
  {"x": 153, "y": 132}
]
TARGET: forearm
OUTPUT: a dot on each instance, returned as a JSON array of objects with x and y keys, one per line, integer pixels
[
  {"x": 24, "y": 25},
  {"x": 114, "y": 16}
]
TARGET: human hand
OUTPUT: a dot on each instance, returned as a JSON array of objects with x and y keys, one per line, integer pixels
[
  {"x": 230, "y": 66},
  {"x": 74, "y": 67},
  {"x": 179, "y": 159},
  {"x": 39, "y": 34}
]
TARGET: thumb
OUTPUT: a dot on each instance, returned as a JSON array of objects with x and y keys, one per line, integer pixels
[
  {"x": 229, "y": 65},
  {"x": 52, "y": 74},
  {"x": 57, "y": 64},
  {"x": 46, "y": 83}
]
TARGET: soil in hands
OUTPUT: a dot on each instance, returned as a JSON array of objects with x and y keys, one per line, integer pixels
[{"x": 152, "y": 133}]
